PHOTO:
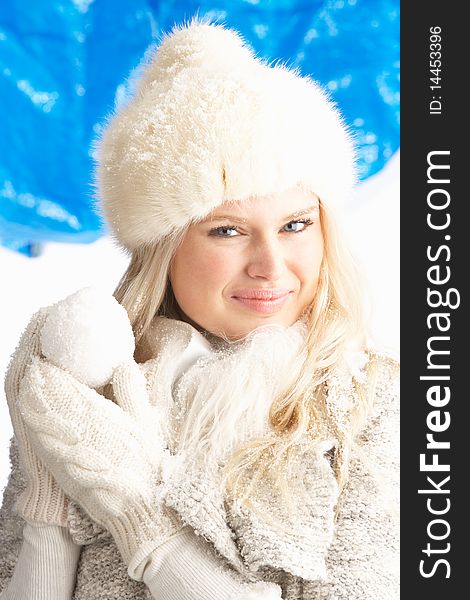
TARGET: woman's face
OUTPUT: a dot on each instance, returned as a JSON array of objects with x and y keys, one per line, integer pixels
[{"x": 250, "y": 263}]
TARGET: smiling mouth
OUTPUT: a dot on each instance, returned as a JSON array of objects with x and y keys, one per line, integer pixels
[
  {"x": 262, "y": 301},
  {"x": 261, "y": 293}
]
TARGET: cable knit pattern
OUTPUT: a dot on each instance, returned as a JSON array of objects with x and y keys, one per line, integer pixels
[
  {"x": 357, "y": 560},
  {"x": 106, "y": 459}
]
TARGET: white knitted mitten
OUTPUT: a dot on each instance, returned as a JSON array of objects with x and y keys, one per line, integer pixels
[
  {"x": 42, "y": 501},
  {"x": 105, "y": 456}
]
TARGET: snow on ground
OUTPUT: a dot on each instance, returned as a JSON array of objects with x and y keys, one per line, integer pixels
[{"x": 64, "y": 268}]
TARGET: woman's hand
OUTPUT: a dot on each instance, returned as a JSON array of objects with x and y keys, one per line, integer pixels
[
  {"x": 42, "y": 501},
  {"x": 89, "y": 333},
  {"x": 105, "y": 456}
]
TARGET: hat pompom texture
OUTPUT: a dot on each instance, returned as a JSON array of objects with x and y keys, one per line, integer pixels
[
  {"x": 88, "y": 334},
  {"x": 209, "y": 123}
]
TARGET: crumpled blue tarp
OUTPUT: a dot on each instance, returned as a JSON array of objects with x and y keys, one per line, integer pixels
[{"x": 64, "y": 65}]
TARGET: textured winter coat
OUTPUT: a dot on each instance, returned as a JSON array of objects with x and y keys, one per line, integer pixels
[{"x": 353, "y": 558}]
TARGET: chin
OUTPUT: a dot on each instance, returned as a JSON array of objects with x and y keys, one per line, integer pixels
[{"x": 247, "y": 326}]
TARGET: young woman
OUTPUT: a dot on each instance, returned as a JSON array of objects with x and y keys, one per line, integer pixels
[{"x": 251, "y": 448}]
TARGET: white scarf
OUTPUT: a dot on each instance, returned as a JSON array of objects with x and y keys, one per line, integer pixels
[{"x": 221, "y": 398}]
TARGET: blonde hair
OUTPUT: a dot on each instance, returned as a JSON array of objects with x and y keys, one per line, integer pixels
[
  {"x": 145, "y": 290},
  {"x": 336, "y": 324}
]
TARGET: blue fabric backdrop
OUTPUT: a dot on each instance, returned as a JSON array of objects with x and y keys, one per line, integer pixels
[{"x": 64, "y": 66}]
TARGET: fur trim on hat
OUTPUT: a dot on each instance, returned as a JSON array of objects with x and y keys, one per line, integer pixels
[{"x": 210, "y": 122}]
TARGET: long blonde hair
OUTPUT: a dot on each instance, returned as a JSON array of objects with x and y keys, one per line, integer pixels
[{"x": 336, "y": 324}]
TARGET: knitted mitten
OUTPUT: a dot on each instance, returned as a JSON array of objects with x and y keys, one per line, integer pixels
[
  {"x": 42, "y": 500},
  {"x": 74, "y": 333},
  {"x": 105, "y": 456}
]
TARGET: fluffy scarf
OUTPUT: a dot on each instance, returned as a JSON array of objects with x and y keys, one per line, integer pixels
[{"x": 223, "y": 399}]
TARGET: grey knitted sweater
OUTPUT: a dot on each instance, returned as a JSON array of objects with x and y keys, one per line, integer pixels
[{"x": 353, "y": 558}]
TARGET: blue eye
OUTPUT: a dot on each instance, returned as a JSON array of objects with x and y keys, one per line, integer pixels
[
  {"x": 297, "y": 226},
  {"x": 224, "y": 231},
  {"x": 230, "y": 231}
]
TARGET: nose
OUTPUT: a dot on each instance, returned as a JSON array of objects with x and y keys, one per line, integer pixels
[{"x": 266, "y": 260}]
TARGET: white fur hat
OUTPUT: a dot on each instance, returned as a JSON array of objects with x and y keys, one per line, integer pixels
[{"x": 210, "y": 122}]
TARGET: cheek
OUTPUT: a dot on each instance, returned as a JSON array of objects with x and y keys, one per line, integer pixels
[
  {"x": 198, "y": 271},
  {"x": 307, "y": 260}
]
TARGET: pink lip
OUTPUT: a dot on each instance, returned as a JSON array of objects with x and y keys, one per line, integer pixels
[{"x": 264, "y": 301}]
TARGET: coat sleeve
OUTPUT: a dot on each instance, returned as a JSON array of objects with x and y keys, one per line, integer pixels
[{"x": 363, "y": 560}]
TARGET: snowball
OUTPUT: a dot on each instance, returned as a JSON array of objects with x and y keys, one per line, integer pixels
[{"x": 88, "y": 334}]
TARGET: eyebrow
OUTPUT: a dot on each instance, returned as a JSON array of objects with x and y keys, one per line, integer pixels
[{"x": 296, "y": 215}]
